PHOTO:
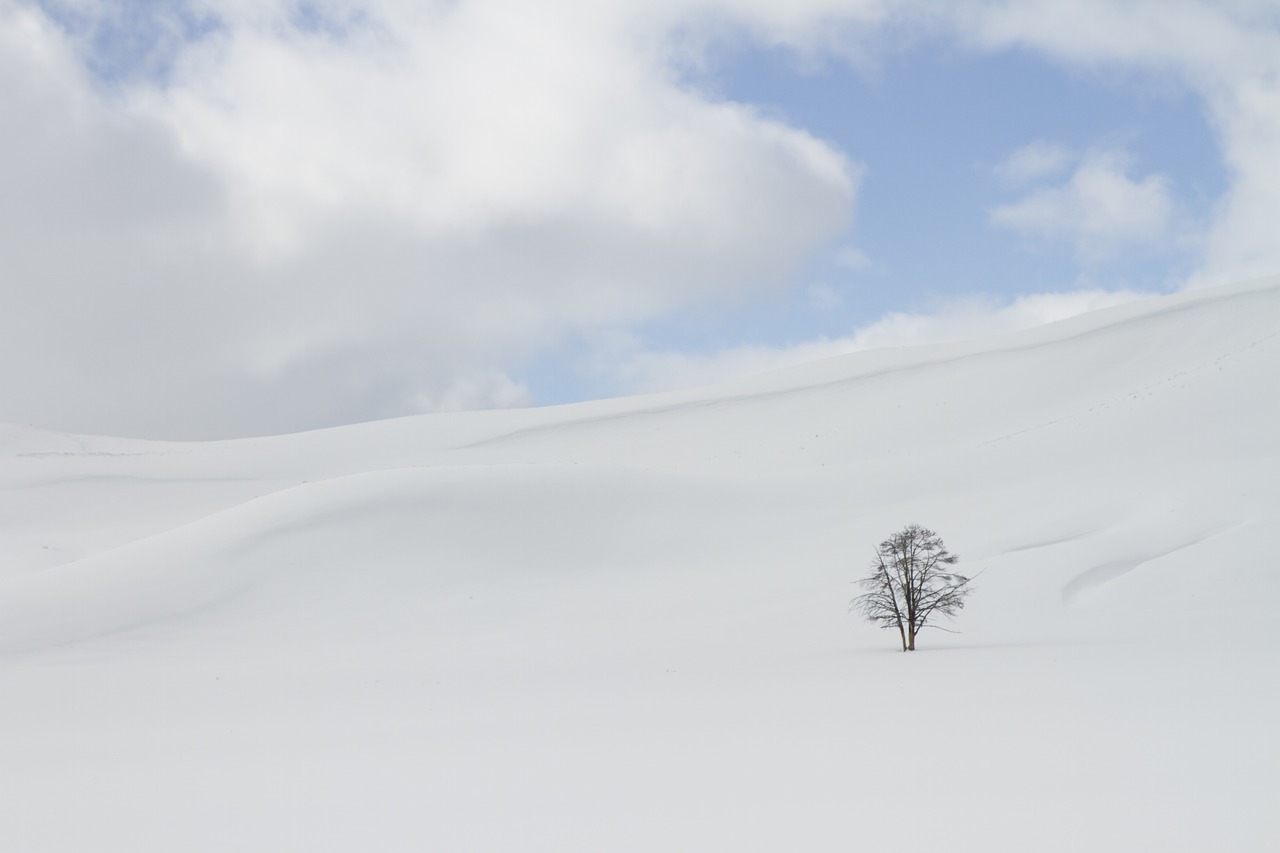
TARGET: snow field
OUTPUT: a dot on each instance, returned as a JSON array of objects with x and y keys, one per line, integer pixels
[{"x": 620, "y": 625}]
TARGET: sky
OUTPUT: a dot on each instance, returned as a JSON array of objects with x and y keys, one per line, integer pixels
[{"x": 221, "y": 219}]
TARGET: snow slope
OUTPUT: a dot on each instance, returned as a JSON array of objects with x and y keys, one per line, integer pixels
[{"x": 621, "y": 625}]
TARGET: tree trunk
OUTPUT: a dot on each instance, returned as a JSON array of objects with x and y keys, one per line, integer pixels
[
  {"x": 911, "y": 641},
  {"x": 902, "y": 633}
]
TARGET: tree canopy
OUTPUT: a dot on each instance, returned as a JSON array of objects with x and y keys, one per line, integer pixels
[{"x": 911, "y": 582}]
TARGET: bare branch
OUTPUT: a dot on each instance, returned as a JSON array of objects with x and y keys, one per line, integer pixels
[{"x": 911, "y": 580}]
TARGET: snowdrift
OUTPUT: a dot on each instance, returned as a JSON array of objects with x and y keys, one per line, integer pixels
[{"x": 621, "y": 625}]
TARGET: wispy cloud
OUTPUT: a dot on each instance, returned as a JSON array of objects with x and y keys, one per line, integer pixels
[
  {"x": 1099, "y": 208},
  {"x": 823, "y": 297},
  {"x": 964, "y": 319},
  {"x": 1033, "y": 162}
]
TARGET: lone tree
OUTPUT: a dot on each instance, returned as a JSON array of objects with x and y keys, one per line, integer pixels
[{"x": 910, "y": 582}]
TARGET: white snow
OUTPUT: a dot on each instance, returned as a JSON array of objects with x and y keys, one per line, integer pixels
[{"x": 621, "y": 625}]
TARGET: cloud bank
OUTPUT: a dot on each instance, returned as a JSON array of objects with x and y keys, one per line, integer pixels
[{"x": 312, "y": 221}]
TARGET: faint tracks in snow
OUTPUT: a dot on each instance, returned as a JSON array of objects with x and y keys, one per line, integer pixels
[
  {"x": 1174, "y": 382},
  {"x": 81, "y": 454}
]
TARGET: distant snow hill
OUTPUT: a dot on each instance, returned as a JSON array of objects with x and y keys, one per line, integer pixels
[{"x": 621, "y": 625}]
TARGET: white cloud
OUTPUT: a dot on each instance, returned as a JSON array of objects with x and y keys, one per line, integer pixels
[
  {"x": 1228, "y": 53},
  {"x": 853, "y": 258},
  {"x": 976, "y": 317},
  {"x": 1099, "y": 208},
  {"x": 823, "y": 297},
  {"x": 1033, "y": 162},
  {"x": 488, "y": 390},
  {"x": 647, "y": 371},
  {"x": 959, "y": 320}
]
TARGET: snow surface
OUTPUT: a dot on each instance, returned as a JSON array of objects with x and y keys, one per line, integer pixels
[{"x": 621, "y": 626}]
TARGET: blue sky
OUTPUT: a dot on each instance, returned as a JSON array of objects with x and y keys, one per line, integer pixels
[
  {"x": 229, "y": 218},
  {"x": 932, "y": 125}
]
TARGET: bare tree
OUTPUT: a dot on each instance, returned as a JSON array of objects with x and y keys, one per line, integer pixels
[{"x": 910, "y": 582}]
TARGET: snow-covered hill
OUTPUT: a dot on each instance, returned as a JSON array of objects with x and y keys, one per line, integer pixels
[{"x": 621, "y": 625}]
